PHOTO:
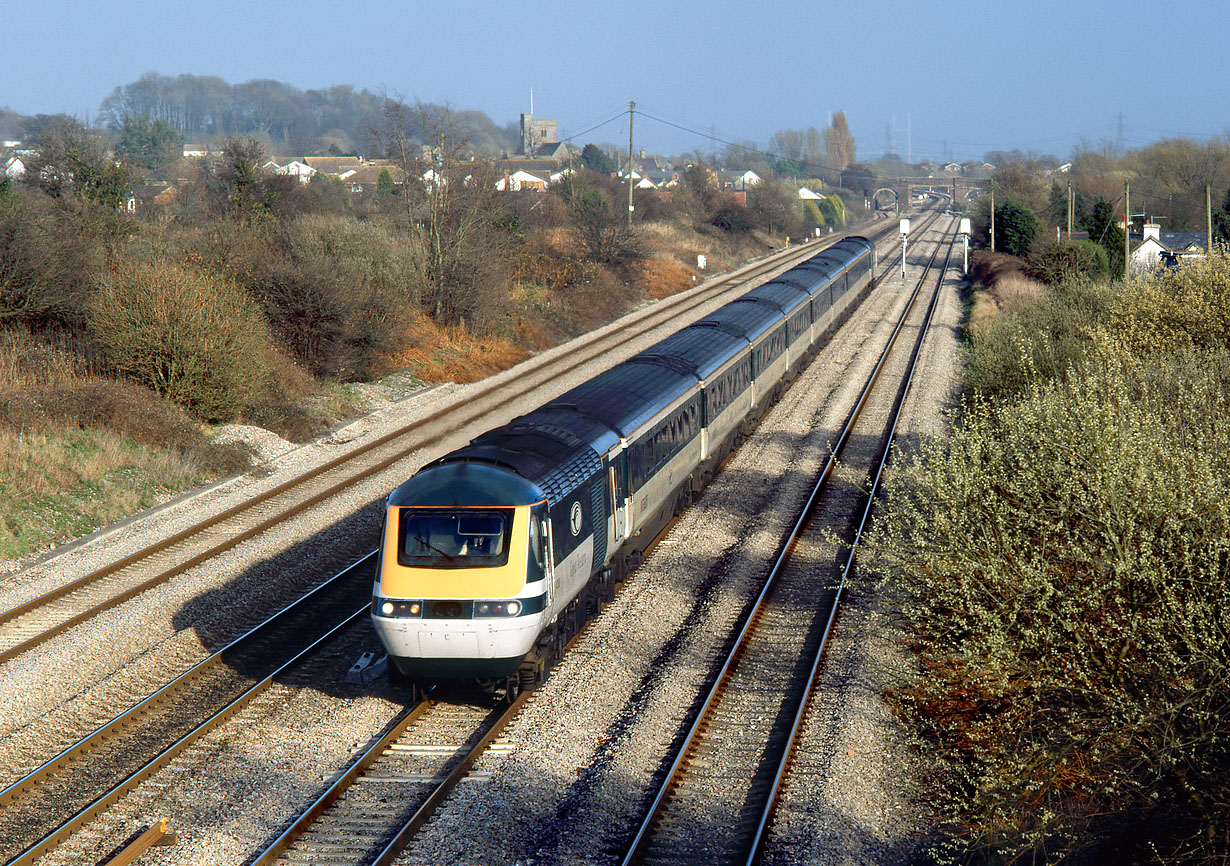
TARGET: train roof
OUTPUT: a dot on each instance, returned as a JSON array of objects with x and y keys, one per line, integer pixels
[
  {"x": 785, "y": 295},
  {"x": 627, "y": 395},
  {"x": 698, "y": 350},
  {"x": 554, "y": 451},
  {"x": 749, "y": 317},
  {"x": 465, "y": 485}
]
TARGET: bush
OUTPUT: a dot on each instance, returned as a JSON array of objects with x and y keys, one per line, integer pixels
[
  {"x": 1067, "y": 558},
  {"x": 1055, "y": 263},
  {"x": 1175, "y": 308},
  {"x": 1045, "y": 339},
  {"x": 195, "y": 338}
]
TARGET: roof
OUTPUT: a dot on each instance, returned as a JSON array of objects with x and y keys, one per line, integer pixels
[
  {"x": 460, "y": 484},
  {"x": 627, "y": 396},
  {"x": 1175, "y": 241},
  {"x": 749, "y": 317},
  {"x": 783, "y": 294},
  {"x": 333, "y": 164},
  {"x": 701, "y": 351}
]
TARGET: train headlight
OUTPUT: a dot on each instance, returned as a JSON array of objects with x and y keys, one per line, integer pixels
[
  {"x": 396, "y": 607},
  {"x": 497, "y": 608}
]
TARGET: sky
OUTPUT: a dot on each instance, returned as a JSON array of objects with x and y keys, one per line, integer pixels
[{"x": 929, "y": 80}]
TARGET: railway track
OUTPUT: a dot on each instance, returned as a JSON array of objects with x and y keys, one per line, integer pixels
[
  {"x": 27, "y": 625},
  {"x": 45, "y": 807},
  {"x": 67, "y": 770},
  {"x": 734, "y": 756}
]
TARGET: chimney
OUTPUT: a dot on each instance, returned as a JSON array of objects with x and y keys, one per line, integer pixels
[{"x": 1153, "y": 230}]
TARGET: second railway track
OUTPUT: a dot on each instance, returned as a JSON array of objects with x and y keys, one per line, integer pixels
[{"x": 28, "y": 624}]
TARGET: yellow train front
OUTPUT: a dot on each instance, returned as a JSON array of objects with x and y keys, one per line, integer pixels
[{"x": 462, "y": 588}]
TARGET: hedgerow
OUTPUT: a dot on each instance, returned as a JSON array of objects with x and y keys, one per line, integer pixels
[{"x": 1059, "y": 565}]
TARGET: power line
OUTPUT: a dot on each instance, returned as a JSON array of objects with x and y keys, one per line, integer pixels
[{"x": 748, "y": 147}]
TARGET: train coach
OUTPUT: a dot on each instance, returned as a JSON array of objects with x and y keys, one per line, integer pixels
[{"x": 484, "y": 549}]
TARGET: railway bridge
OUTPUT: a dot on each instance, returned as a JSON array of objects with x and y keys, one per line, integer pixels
[{"x": 894, "y": 190}]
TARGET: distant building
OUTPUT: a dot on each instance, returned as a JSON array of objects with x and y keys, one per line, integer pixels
[
  {"x": 1158, "y": 247},
  {"x": 539, "y": 136}
]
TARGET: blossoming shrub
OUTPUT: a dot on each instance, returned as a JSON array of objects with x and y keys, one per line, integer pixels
[{"x": 1060, "y": 568}]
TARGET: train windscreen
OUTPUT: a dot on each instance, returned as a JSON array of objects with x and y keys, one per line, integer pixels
[{"x": 438, "y": 538}]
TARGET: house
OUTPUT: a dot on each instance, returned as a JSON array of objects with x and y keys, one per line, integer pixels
[
  {"x": 521, "y": 180},
  {"x": 807, "y": 195},
  {"x": 14, "y": 167},
  {"x": 663, "y": 179},
  {"x": 737, "y": 180},
  {"x": 335, "y": 165},
  {"x": 367, "y": 176},
  {"x": 1158, "y": 247},
  {"x": 195, "y": 151},
  {"x": 294, "y": 168}
]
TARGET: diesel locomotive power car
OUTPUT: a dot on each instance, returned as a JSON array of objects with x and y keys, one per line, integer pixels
[{"x": 484, "y": 548}]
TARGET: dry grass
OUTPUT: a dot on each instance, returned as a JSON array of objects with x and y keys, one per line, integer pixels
[
  {"x": 450, "y": 354},
  {"x": 662, "y": 276},
  {"x": 1012, "y": 292},
  {"x": 79, "y": 451}
]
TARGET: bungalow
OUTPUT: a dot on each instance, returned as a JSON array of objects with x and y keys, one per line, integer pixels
[
  {"x": 737, "y": 180},
  {"x": 294, "y": 168},
  {"x": 520, "y": 180}
]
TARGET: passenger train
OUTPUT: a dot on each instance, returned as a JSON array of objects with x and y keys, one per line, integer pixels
[{"x": 485, "y": 548}]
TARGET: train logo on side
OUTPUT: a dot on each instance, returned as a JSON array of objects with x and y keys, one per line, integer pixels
[{"x": 576, "y": 518}]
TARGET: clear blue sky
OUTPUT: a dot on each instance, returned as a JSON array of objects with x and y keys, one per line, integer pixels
[{"x": 1039, "y": 76}]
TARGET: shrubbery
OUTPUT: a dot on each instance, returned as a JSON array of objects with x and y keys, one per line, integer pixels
[
  {"x": 1060, "y": 565},
  {"x": 193, "y": 337}
]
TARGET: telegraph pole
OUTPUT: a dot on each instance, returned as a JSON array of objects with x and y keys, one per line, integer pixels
[
  {"x": 992, "y": 214},
  {"x": 631, "y": 111},
  {"x": 1069, "y": 211},
  {"x": 1127, "y": 228},
  {"x": 1208, "y": 216}
]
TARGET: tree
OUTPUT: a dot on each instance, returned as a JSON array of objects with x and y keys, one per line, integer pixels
[
  {"x": 776, "y": 206},
  {"x": 1016, "y": 226},
  {"x": 71, "y": 161},
  {"x": 149, "y": 143},
  {"x": 839, "y": 142},
  {"x": 1221, "y": 220},
  {"x": 384, "y": 184},
  {"x": 600, "y": 228},
  {"x": 597, "y": 160},
  {"x": 1104, "y": 229}
]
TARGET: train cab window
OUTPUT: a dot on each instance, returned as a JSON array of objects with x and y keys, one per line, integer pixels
[
  {"x": 431, "y": 538},
  {"x": 536, "y": 567}
]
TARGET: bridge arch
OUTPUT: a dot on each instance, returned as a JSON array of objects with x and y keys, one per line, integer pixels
[{"x": 896, "y": 199}]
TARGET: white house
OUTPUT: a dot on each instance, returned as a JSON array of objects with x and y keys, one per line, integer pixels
[
  {"x": 295, "y": 168},
  {"x": 1157, "y": 246},
  {"x": 14, "y": 167},
  {"x": 519, "y": 180},
  {"x": 807, "y": 195}
]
